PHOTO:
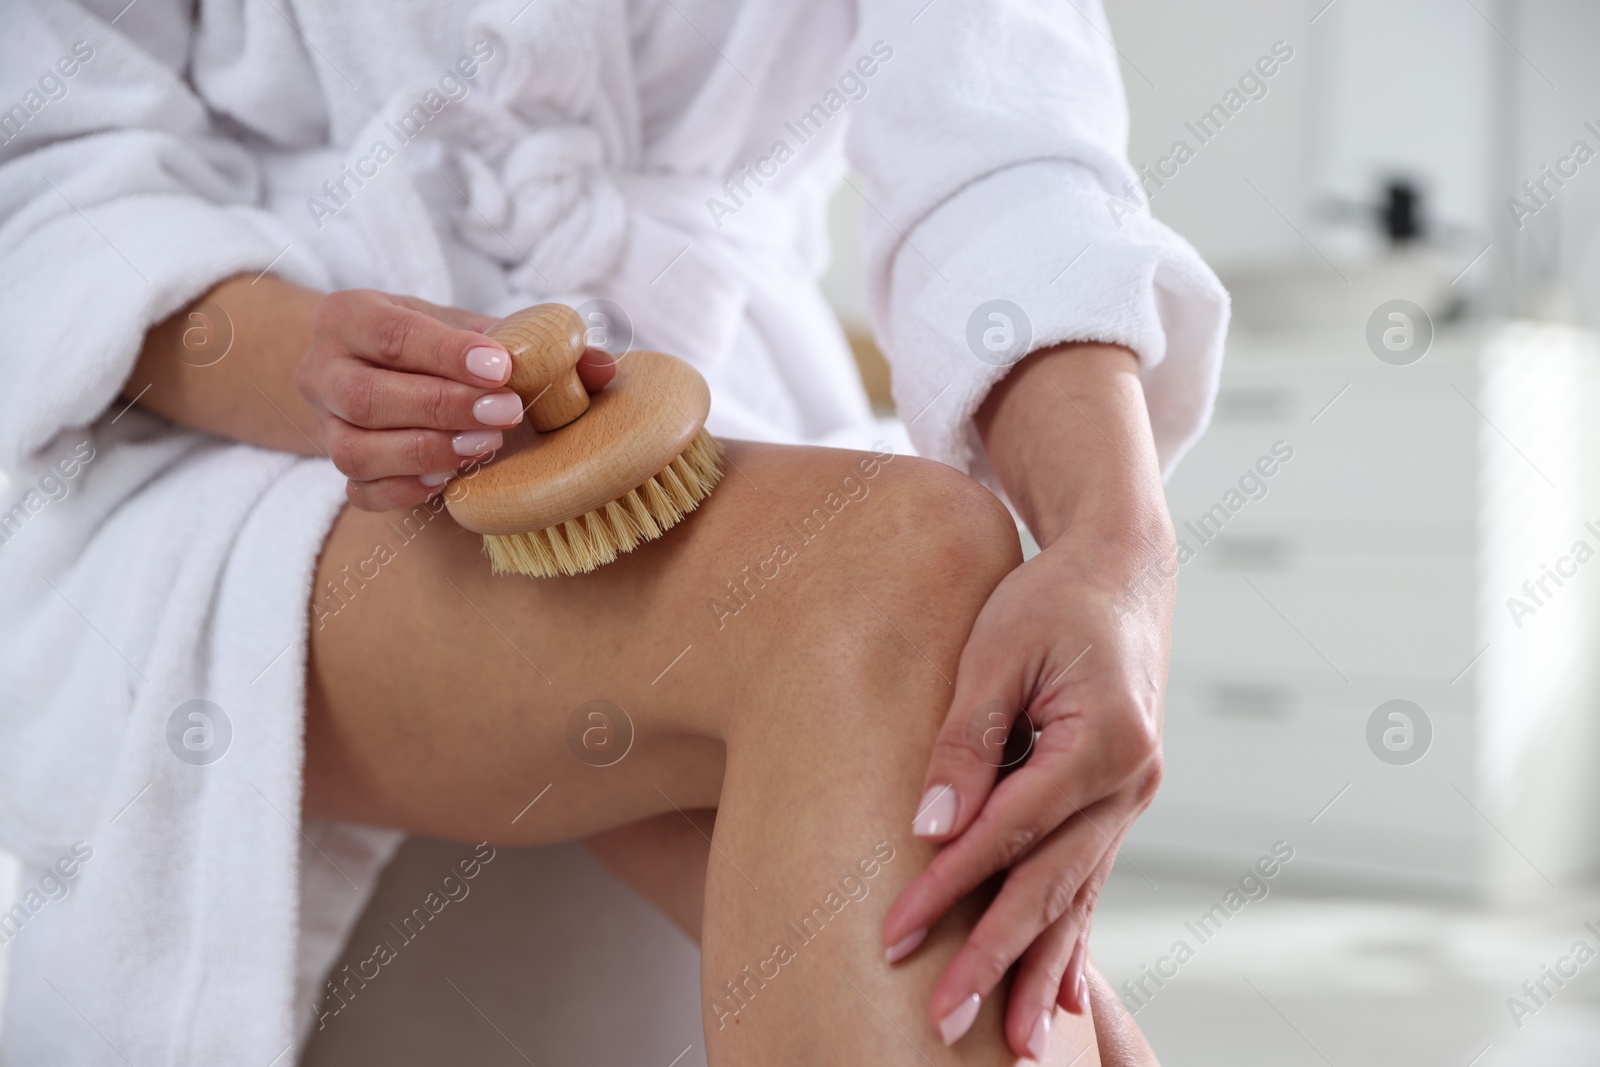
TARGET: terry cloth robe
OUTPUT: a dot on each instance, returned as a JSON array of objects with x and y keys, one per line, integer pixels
[{"x": 668, "y": 158}]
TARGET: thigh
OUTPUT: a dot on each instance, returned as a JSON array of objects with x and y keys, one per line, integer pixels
[{"x": 445, "y": 700}]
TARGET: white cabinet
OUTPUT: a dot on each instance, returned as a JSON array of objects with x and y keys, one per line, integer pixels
[{"x": 1375, "y": 564}]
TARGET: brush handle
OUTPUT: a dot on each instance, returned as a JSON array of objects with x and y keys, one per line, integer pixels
[{"x": 545, "y": 342}]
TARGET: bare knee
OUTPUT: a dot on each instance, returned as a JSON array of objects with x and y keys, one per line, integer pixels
[
  {"x": 895, "y": 573},
  {"x": 933, "y": 549},
  {"x": 948, "y": 542},
  {"x": 922, "y": 532},
  {"x": 947, "y": 524}
]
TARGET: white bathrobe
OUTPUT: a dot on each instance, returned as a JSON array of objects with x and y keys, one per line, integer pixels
[{"x": 671, "y": 156}]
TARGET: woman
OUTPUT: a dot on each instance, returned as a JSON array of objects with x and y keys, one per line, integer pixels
[{"x": 241, "y": 242}]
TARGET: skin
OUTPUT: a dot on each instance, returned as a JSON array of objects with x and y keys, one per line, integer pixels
[
  {"x": 380, "y": 384},
  {"x": 665, "y": 858}
]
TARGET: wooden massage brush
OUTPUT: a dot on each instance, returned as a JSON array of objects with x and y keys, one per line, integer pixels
[{"x": 584, "y": 478}]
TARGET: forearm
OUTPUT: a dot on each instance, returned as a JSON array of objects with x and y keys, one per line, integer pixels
[
  {"x": 225, "y": 365},
  {"x": 1068, "y": 436}
]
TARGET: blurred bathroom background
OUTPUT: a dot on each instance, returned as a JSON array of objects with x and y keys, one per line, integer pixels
[{"x": 1374, "y": 671}]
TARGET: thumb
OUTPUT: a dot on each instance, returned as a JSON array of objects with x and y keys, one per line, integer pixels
[
  {"x": 974, "y": 745},
  {"x": 596, "y": 368}
]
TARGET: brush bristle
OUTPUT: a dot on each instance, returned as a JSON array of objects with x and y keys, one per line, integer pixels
[{"x": 592, "y": 540}]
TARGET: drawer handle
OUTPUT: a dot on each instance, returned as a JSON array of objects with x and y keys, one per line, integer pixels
[
  {"x": 1253, "y": 405},
  {"x": 1251, "y": 700},
  {"x": 1252, "y": 553}
]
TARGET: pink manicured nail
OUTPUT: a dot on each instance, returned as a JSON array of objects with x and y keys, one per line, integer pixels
[
  {"x": 1039, "y": 1040},
  {"x": 490, "y": 364},
  {"x": 905, "y": 946},
  {"x": 937, "y": 812},
  {"x": 433, "y": 481},
  {"x": 953, "y": 1026},
  {"x": 476, "y": 442},
  {"x": 1083, "y": 995},
  {"x": 498, "y": 409}
]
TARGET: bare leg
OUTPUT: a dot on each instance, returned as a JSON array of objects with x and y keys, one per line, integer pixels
[
  {"x": 664, "y": 860},
  {"x": 1121, "y": 1042},
  {"x": 440, "y": 701}
]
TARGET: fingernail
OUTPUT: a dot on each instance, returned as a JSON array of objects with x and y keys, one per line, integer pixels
[
  {"x": 490, "y": 364},
  {"x": 476, "y": 442},
  {"x": 1083, "y": 995},
  {"x": 905, "y": 946},
  {"x": 1039, "y": 1040},
  {"x": 498, "y": 409},
  {"x": 959, "y": 1021},
  {"x": 937, "y": 812},
  {"x": 433, "y": 481}
]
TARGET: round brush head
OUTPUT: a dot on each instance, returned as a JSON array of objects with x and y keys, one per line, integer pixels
[{"x": 583, "y": 478}]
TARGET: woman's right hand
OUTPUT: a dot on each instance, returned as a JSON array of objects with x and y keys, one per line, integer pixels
[{"x": 406, "y": 392}]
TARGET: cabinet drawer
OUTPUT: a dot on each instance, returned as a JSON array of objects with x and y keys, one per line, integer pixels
[
  {"x": 1294, "y": 601},
  {"x": 1278, "y": 746}
]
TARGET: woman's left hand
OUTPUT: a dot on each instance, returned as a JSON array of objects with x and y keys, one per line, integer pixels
[{"x": 1077, "y": 639}]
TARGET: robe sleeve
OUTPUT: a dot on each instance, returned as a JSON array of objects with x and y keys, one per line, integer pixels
[
  {"x": 1002, "y": 216},
  {"x": 124, "y": 194}
]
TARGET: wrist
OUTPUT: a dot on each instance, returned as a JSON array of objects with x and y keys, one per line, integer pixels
[
  {"x": 1069, "y": 439},
  {"x": 225, "y": 363},
  {"x": 1115, "y": 545}
]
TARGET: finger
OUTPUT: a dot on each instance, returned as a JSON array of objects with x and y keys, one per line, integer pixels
[
  {"x": 967, "y": 754},
  {"x": 1073, "y": 992},
  {"x": 389, "y": 334},
  {"x": 389, "y": 400},
  {"x": 1052, "y": 970},
  {"x": 368, "y": 455},
  {"x": 1022, "y": 811},
  {"x": 596, "y": 368},
  {"x": 993, "y": 690},
  {"x": 391, "y": 494},
  {"x": 1036, "y": 893},
  {"x": 460, "y": 318},
  {"x": 961, "y": 772},
  {"x": 1032, "y": 1002}
]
